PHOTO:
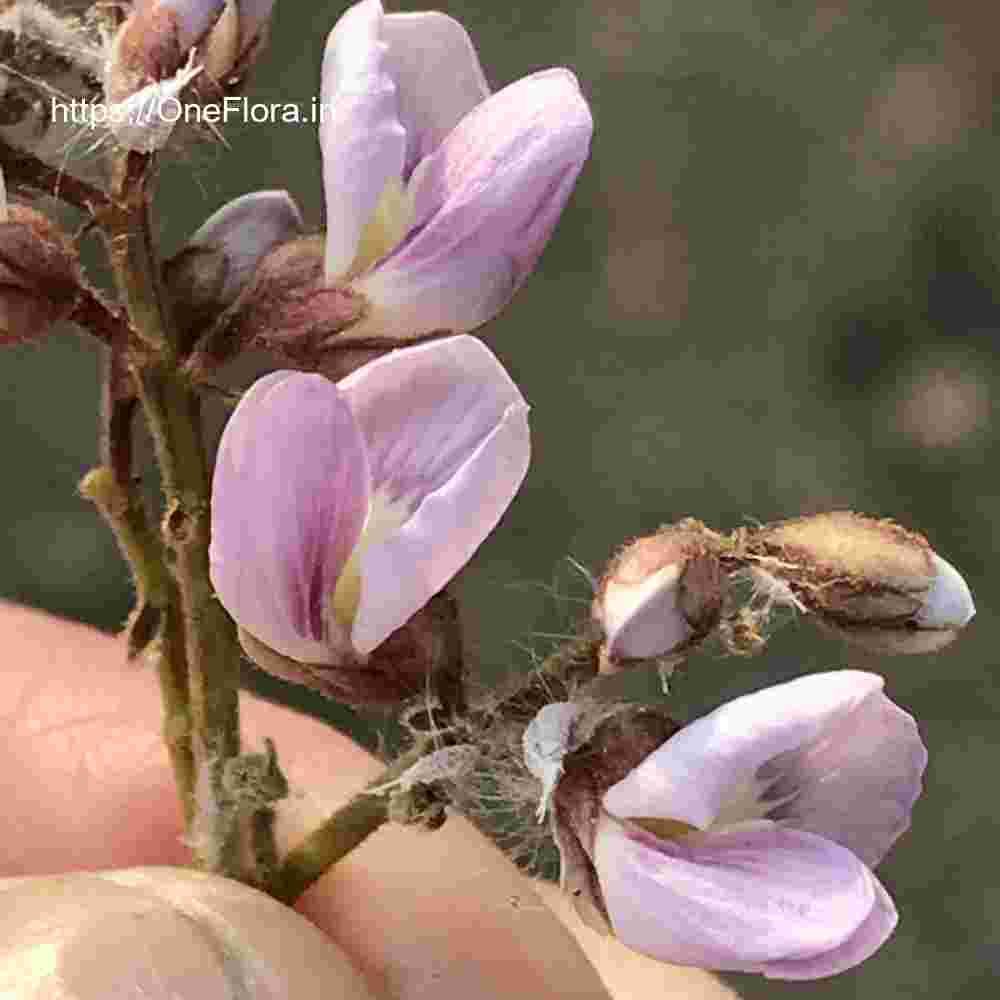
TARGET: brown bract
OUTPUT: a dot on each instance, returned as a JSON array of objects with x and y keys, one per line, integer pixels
[{"x": 289, "y": 308}]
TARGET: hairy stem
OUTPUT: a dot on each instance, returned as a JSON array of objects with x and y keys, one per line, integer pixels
[
  {"x": 345, "y": 829},
  {"x": 25, "y": 171},
  {"x": 156, "y": 604},
  {"x": 100, "y": 319},
  {"x": 173, "y": 413}
]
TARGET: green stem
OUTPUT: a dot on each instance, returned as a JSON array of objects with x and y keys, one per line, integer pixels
[
  {"x": 173, "y": 414},
  {"x": 345, "y": 829},
  {"x": 171, "y": 669},
  {"x": 156, "y": 600}
]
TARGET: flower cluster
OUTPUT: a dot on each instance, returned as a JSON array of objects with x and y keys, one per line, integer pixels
[
  {"x": 743, "y": 841},
  {"x": 353, "y": 484}
]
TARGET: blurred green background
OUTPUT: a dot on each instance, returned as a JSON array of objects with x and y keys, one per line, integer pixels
[{"x": 774, "y": 292}]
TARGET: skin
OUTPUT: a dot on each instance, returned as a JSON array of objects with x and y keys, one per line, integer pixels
[{"x": 86, "y": 785}]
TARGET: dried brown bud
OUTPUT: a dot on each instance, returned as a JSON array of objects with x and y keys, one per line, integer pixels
[
  {"x": 39, "y": 274},
  {"x": 661, "y": 595},
  {"x": 870, "y": 579}
]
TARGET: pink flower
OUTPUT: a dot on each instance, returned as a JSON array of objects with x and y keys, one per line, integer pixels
[
  {"x": 338, "y": 511},
  {"x": 439, "y": 197},
  {"x": 746, "y": 842}
]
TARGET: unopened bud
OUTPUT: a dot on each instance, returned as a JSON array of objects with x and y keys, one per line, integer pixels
[
  {"x": 162, "y": 47},
  {"x": 869, "y": 579},
  {"x": 154, "y": 43},
  {"x": 39, "y": 277},
  {"x": 660, "y": 596},
  {"x": 220, "y": 259}
]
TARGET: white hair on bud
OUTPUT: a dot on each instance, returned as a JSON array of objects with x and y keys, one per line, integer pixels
[
  {"x": 139, "y": 122},
  {"x": 4, "y": 213}
]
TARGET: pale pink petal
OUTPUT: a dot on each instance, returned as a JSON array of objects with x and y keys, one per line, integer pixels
[
  {"x": 246, "y": 229},
  {"x": 734, "y": 900},
  {"x": 693, "y": 774},
  {"x": 361, "y": 139},
  {"x": 438, "y": 77},
  {"x": 460, "y": 295},
  {"x": 289, "y": 499},
  {"x": 856, "y": 784},
  {"x": 949, "y": 603},
  {"x": 865, "y": 941},
  {"x": 447, "y": 437},
  {"x": 486, "y": 203},
  {"x": 644, "y": 620}
]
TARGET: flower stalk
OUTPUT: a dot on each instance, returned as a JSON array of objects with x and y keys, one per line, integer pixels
[{"x": 343, "y": 831}]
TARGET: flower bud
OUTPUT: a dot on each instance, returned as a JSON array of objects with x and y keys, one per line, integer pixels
[
  {"x": 39, "y": 276},
  {"x": 153, "y": 43},
  {"x": 220, "y": 259},
  {"x": 661, "y": 595},
  {"x": 159, "y": 932},
  {"x": 868, "y": 579},
  {"x": 162, "y": 47}
]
